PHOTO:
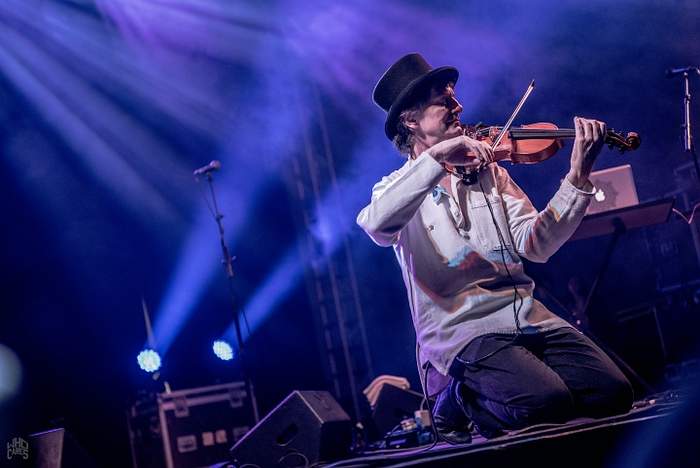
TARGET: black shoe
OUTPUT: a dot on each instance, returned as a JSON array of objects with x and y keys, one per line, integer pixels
[
  {"x": 451, "y": 422},
  {"x": 455, "y": 437}
]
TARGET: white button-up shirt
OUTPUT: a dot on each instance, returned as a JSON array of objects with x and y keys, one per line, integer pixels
[{"x": 452, "y": 259}]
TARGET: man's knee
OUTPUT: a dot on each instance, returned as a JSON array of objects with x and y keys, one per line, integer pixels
[
  {"x": 551, "y": 405},
  {"x": 613, "y": 395}
]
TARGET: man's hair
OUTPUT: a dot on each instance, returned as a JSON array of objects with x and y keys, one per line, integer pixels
[{"x": 403, "y": 140}]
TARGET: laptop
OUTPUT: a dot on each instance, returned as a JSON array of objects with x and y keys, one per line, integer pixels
[{"x": 614, "y": 188}]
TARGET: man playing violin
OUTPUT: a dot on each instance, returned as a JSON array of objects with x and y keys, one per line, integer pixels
[{"x": 492, "y": 354}]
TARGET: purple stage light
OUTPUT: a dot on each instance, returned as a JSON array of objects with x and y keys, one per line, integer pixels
[
  {"x": 274, "y": 289},
  {"x": 205, "y": 27},
  {"x": 74, "y": 72},
  {"x": 335, "y": 217},
  {"x": 256, "y": 119},
  {"x": 336, "y": 213},
  {"x": 195, "y": 269},
  {"x": 262, "y": 137},
  {"x": 96, "y": 154}
]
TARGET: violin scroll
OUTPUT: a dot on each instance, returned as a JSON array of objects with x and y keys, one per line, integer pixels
[{"x": 623, "y": 143}]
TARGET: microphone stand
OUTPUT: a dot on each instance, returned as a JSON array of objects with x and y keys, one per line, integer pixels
[
  {"x": 227, "y": 261},
  {"x": 688, "y": 141}
]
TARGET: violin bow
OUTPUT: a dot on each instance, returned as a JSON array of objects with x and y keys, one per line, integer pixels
[
  {"x": 508, "y": 124},
  {"x": 469, "y": 177}
]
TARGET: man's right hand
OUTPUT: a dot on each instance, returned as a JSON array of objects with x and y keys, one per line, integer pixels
[{"x": 461, "y": 151}]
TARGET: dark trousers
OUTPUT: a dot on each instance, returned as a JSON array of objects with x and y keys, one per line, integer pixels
[{"x": 551, "y": 376}]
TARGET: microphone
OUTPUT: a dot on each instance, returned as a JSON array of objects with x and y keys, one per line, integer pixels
[
  {"x": 215, "y": 165},
  {"x": 671, "y": 72}
]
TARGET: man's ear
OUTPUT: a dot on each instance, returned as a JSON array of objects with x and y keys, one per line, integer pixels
[{"x": 411, "y": 122}]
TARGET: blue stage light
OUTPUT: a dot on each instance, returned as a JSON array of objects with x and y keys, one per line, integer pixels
[
  {"x": 223, "y": 350},
  {"x": 149, "y": 360}
]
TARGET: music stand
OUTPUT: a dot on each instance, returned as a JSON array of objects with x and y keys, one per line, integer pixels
[
  {"x": 617, "y": 222},
  {"x": 631, "y": 217}
]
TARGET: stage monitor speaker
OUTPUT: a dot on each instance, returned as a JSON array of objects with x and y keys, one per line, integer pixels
[
  {"x": 394, "y": 405},
  {"x": 57, "y": 449},
  {"x": 306, "y": 428},
  {"x": 640, "y": 341}
]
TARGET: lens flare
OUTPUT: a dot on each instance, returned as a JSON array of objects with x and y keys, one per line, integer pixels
[{"x": 10, "y": 373}]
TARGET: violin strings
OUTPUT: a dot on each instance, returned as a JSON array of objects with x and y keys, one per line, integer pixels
[
  {"x": 561, "y": 132},
  {"x": 534, "y": 133},
  {"x": 516, "y": 135}
]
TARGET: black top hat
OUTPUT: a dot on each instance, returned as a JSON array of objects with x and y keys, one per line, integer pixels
[{"x": 403, "y": 83}]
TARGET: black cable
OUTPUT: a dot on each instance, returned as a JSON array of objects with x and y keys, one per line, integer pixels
[
  {"x": 436, "y": 435},
  {"x": 382, "y": 454},
  {"x": 501, "y": 240},
  {"x": 202, "y": 192},
  {"x": 516, "y": 293}
]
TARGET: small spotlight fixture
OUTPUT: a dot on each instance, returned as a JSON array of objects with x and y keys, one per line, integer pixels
[
  {"x": 149, "y": 360},
  {"x": 223, "y": 350}
]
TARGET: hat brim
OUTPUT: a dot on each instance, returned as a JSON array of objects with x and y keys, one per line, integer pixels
[{"x": 409, "y": 94}]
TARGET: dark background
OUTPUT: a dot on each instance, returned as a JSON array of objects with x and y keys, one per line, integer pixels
[{"x": 106, "y": 107}]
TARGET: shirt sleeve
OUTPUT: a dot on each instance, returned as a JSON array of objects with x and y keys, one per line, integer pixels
[
  {"x": 397, "y": 197},
  {"x": 538, "y": 235}
]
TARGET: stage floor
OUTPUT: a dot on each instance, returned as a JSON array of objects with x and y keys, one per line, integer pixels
[{"x": 613, "y": 441}]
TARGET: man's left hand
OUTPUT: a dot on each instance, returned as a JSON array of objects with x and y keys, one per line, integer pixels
[{"x": 590, "y": 136}]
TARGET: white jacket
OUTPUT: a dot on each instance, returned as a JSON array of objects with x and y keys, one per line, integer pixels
[{"x": 451, "y": 257}]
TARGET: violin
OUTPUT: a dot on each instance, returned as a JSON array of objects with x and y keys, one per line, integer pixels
[
  {"x": 533, "y": 143},
  {"x": 529, "y": 144}
]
